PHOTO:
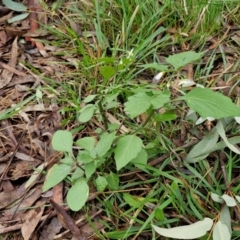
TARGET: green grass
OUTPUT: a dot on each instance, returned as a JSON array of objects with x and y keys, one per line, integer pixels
[{"x": 109, "y": 64}]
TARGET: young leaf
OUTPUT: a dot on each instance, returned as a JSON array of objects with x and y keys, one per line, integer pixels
[
  {"x": 182, "y": 59},
  {"x": 208, "y": 103},
  {"x": 113, "y": 181},
  {"x": 89, "y": 98},
  {"x": 202, "y": 149},
  {"x": 55, "y": 175},
  {"x": 78, "y": 195},
  {"x": 84, "y": 157},
  {"x": 62, "y": 141},
  {"x": 104, "y": 143},
  {"x": 131, "y": 200},
  {"x": 230, "y": 201},
  {"x": 192, "y": 231},
  {"x": 15, "y": 6},
  {"x": 86, "y": 143},
  {"x": 225, "y": 218},
  {"x": 89, "y": 168},
  {"x": 159, "y": 99},
  {"x": 127, "y": 149},
  {"x": 101, "y": 183},
  {"x": 220, "y": 232},
  {"x": 107, "y": 71},
  {"x": 86, "y": 113},
  {"x": 222, "y": 133}
]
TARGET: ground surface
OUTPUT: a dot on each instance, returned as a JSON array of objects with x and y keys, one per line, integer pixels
[{"x": 107, "y": 49}]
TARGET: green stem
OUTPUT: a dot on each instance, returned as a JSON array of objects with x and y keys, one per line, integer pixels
[{"x": 103, "y": 114}]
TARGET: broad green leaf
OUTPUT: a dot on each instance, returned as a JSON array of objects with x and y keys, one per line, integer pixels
[
  {"x": 67, "y": 160},
  {"x": 182, "y": 59},
  {"x": 15, "y": 6},
  {"x": 159, "y": 214},
  {"x": 62, "y": 141},
  {"x": 208, "y": 103},
  {"x": 86, "y": 143},
  {"x": 78, "y": 195},
  {"x": 230, "y": 201},
  {"x": 86, "y": 113},
  {"x": 222, "y": 133},
  {"x": 89, "y": 98},
  {"x": 155, "y": 66},
  {"x": 113, "y": 181},
  {"x": 131, "y": 200},
  {"x": 216, "y": 198},
  {"x": 137, "y": 104},
  {"x": 127, "y": 149},
  {"x": 107, "y": 71},
  {"x": 225, "y": 218},
  {"x": 89, "y": 168},
  {"x": 167, "y": 116},
  {"x": 78, "y": 173},
  {"x": 202, "y": 149},
  {"x": 18, "y": 17},
  {"x": 84, "y": 157},
  {"x": 104, "y": 143},
  {"x": 101, "y": 183},
  {"x": 141, "y": 158},
  {"x": 192, "y": 231},
  {"x": 55, "y": 175},
  {"x": 160, "y": 99},
  {"x": 220, "y": 232}
]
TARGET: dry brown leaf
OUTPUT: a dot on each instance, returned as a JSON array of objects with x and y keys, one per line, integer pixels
[
  {"x": 51, "y": 229},
  {"x": 6, "y": 75},
  {"x": 32, "y": 220}
]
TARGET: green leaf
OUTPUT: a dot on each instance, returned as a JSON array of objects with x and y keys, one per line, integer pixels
[
  {"x": 84, "y": 157},
  {"x": 89, "y": 98},
  {"x": 159, "y": 214},
  {"x": 55, "y": 175},
  {"x": 141, "y": 158},
  {"x": 142, "y": 101},
  {"x": 182, "y": 59},
  {"x": 127, "y": 149},
  {"x": 167, "y": 116},
  {"x": 18, "y": 17},
  {"x": 220, "y": 232},
  {"x": 104, "y": 143},
  {"x": 78, "y": 173},
  {"x": 230, "y": 201},
  {"x": 101, "y": 183},
  {"x": 113, "y": 181},
  {"x": 86, "y": 113},
  {"x": 192, "y": 231},
  {"x": 107, "y": 71},
  {"x": 62, "y": 141},
  {"x": 89, "y": 168},
  {"x": 202, "y": 149},
  {"x": 155, "y": 66},
  {"x": 86, "y": 143},
  {"x": 78, "y": 195},
  {"x": 15, "y": 6},
  {"x": 131, "y": 200},
  {"x": 225, "y": 218},
  {"x": 222, "y": 133},
  {"x": 67, "y": 160},
  {"x": 211, "y": 104}
]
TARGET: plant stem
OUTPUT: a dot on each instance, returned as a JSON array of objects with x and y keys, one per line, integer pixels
[{"x": 103, "y": 114}]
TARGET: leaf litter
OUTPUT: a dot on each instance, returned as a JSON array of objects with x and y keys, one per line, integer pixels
[{"x": 25, "y": 205}]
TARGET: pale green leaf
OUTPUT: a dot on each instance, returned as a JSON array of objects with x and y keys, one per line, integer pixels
[
  {"x": 101, "y": 183},
  {"x": 89, "y": 98},
  {"x": 192, "y": 231},
  {"x": 155, "y": 66},
  {"x": 86, "y": 113},
  {"x": 18, "y": 17},
  {"x": 62, "y": 141},
  {"x": 137, "y": 104},
  {"x": 84, "y": 157},
  {"x": 222, "y": 133},
  {"x": 225, "y": 218},
  {"x": 160, "y": 99},
  {"x": 55, "y": 175},
  {"x": 131, "y": 200},
  {"x": 216, "y": 198},
  {"x": 220, "y": 232},
  {"x": 202, "y": 149},
  {"x": 15, "y": 6},
  {"x": 86, "y": 143},
  {"x": 67, "y": 160},
  {"x": 78, "y": 195},
  {"x": 126, "y": 150},
  {"x": 35, "y": 175},
  {"x": 104, "y": 144},
  {"x": 113, "y": 181},
  {"x": 90, "y": 168},
  {"x": 208, "y": 103},
  {"x": 141, "y": 158},
  {"x": 230, "y": 201},
  {"x": 182, "y": 59}
]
